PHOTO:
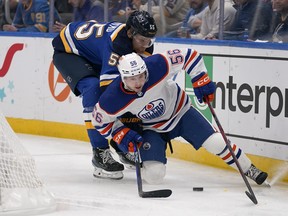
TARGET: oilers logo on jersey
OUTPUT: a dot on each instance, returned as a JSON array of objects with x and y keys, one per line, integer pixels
[
  {"x": 146, "y": 146},
  {"x": 153, "y": 110}
]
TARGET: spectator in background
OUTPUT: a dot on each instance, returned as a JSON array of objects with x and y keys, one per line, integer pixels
[
  {"x": 253, "y": 16},
  {"x": 196, "y": 6},
  {"x": 63, "y": 6},
  {"x": 31, "y": 16},
  {"x": 173, "y": 11},
  {"x": 65, "y": 10},
  {"x": 2, "y": 14},
  {"x": 141, "y": 6},
  {"x": 84, "y": 10},
  {"x": 209, "y": 28},
  {"x": 120, "y": 10},
  {"x": 280, "y": 27},
  {"x": 87, "y": 10},
  {"x": 13, "y": 6}
]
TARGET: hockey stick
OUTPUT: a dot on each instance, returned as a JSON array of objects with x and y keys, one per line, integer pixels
[
  {"x": 147, "y": 194},
  {"x": 251, "y": 195}
]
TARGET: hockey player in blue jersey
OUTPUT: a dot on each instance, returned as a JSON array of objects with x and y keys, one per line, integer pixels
[
  {"x": 86, "y": 53},
  {"x": 145, "y": 89},
  {"x": 32, "y": 16}
]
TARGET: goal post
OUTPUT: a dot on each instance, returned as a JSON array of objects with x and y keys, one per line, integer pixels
[{"x": 21, "y": 190}]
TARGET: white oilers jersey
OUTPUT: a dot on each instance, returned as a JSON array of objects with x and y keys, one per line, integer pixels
[{"x": 161, "y": 103}]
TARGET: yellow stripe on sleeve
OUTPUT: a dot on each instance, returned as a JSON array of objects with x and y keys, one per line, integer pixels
[
  {"x": 105, "y": 83},
  {"x": 115, "y": 33},
  {"x": 64, "y": 41}
]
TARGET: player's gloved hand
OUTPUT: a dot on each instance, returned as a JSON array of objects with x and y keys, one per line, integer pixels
[
  {"x": 203, "y": 87},
  {"x": 126, "y": 139}
]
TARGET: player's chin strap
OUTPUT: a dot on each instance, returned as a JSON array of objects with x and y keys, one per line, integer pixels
[
  {"x": 168, "y": 140},
  {"x": 170, "y": 146}
]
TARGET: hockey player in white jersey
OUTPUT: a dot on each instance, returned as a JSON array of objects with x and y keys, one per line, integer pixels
[{"x": 145, "y": 89}]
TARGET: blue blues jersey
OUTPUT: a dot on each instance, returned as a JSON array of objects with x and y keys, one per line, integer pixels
[
  {"x": 90, "y": 10},
  {"x": 100, "y": 44},
  {"x": 160, "y": 105},
  {"x": 33, "y": 17},
  {"x": 120, "y": 6}
]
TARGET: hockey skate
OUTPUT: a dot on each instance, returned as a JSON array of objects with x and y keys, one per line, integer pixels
[
  {"x": 128, "y": 159},
  {"x": 105, "y": 166},
  {"x": 257, "y": 175}
]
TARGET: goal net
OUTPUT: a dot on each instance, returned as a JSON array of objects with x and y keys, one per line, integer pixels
[{"x": 21, "y": 190}]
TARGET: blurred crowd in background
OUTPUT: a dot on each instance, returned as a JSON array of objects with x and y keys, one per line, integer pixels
[{"x": 242, "y": 20}]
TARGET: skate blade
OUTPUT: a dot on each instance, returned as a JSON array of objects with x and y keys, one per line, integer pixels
[
  {"x": 130, "y": 167},
  {"x": 267, "y": 184},
  {"x": 100, "y": 173}
]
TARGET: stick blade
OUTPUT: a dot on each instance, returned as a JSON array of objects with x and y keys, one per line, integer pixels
[
  {"x": 252, "y": 198},
  {"x": 156, "y": 194}
]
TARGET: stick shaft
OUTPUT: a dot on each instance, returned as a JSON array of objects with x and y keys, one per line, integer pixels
[{"x": 228, "y": 144}]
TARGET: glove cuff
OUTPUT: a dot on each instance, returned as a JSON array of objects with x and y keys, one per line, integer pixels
[
  {"x": 200, "y": 80},
  {"x": 120, "y": 134}
]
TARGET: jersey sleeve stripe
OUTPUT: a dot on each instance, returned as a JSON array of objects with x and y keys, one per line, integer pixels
[
  {"x": 64, "y": 41},
  {"x": 68, "y": 41},
  {"x": 105, "y": 130},
  {"x": 105, "y": 83},
  {"x": 106, "y": 79},
  {"x": 192, "y": 62},
  {"x": 195, "y": 63},
  {"x": 188, "y": 53},
  {"x": 189, "y": 57},
  {"x": 181, "y": 102},
  {"x": 115, "y": 33}
]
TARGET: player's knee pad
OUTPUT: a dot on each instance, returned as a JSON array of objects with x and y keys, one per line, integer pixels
[
  {"x": 215, "y": 143},
  {"x": 153, "y": 172}
]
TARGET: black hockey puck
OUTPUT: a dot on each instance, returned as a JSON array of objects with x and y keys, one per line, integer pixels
[{"x": 198, "y": 188}]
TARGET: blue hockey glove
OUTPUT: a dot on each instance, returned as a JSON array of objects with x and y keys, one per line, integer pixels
[
  {"x": 203, "y": 87},
  {"x": 126, "y": 139}
]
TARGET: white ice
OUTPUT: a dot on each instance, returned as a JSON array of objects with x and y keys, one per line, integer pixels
[{"x": 65, "y": 167}]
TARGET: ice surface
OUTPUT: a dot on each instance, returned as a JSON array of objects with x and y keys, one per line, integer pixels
[{"x": 65, "y": 167}]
